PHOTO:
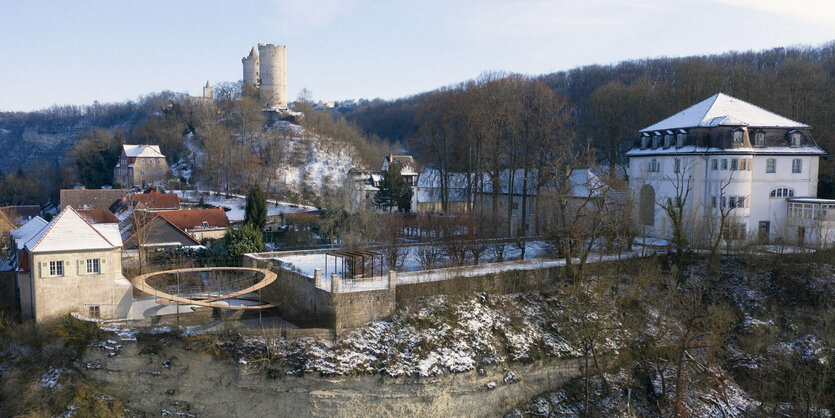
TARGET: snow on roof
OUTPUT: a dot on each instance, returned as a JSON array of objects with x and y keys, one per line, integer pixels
[
  {"x": 27, "y": 231},
  {"x": 723, "y": 110},
  {"x": 692, "y": 149},
  {"x": 141, "y": 151},
  {"x": 110, "y": 231},
  {"x": 69, "y": 231}
]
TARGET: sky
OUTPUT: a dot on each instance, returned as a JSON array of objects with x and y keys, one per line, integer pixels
[{"x": 76, "y": 52}]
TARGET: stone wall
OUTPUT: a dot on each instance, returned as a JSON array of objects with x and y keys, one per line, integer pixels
[
  {"x": 505, "y": 282},
  {"x": 356, "y": 308},
  {"x": 299, "y": 301}
]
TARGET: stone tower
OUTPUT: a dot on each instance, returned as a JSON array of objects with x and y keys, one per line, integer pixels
[
  {"x": 207, "y": 91},
  {"x": 273, "y": 59},
  {"x": 252, "y": 75}
]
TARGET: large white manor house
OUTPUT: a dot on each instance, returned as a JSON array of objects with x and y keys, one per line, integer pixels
[{"x": 724, "y": 156}]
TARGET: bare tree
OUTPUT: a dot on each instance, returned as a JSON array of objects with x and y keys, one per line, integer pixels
[{"x": 675, "y": 207}]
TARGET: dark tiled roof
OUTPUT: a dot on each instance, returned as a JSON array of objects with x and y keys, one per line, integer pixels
[
  {"x": 82, "y": 199},
  {"x": 20, "y": 214},
  {"x": 98, "y": 216},
  {"x": 194, "y": 218},
  {"x": 155, "y": 200}
]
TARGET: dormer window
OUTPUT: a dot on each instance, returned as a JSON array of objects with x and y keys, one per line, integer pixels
[
  {"x": 759, "y": 139},
  {"x": 794, "y": 138},
  {"x": 737, "y": 134},
  {"x": 644, "y": 141},
  {"x": 668, "y": 140},
  {"x": 680, "y": 138},
  {"x": 656, "y": 141},
  {"x": 205, "y": 224}
]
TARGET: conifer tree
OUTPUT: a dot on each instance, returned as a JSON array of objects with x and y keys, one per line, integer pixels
[
  {"x": 256, "y": 208},
  {"x": 394, "y": 191}
]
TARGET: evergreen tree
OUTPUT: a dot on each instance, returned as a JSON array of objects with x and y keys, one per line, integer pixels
[
  {"x": 394, "y": 191},
  {"x": 256, "y": 208},
  {"x": 241, "y": 240}
]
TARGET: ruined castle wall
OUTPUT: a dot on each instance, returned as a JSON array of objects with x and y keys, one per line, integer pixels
[
  {"x": 251, "y": 71},
  {"x": 273, "y": 67}
]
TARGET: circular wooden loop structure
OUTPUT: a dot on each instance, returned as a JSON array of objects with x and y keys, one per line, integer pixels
[{"x": 140, "y": 283}]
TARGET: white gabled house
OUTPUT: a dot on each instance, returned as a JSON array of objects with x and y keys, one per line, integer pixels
[
  {"x": 70, "y": 265},
  {"x": 140, "y": 165},
  {"x": 760, "y": 167}
]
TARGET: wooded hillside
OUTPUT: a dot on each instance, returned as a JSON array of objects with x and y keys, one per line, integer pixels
[{"x": 609, "y": 104}]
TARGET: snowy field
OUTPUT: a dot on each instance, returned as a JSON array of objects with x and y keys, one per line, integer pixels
[{"x": 237, "y": 203}]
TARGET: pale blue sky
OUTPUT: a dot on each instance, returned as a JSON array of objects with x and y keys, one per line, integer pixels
[{"x": 74, "y": 52}]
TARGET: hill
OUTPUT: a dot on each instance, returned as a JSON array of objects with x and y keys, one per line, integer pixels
[{"x": 610, "y": 103}]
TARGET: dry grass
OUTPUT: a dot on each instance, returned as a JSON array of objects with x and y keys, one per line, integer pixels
[{"x": 42, "y": 375}]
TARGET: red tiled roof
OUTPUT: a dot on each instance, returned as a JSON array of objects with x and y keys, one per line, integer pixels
[
  {"x": 156, "y": 200},
  {"x": 194, "y": 218},
  {"x": 98, "y": 216}
]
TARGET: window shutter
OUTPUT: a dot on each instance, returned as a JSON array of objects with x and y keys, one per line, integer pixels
[
  {"x": 44, "y": 269},
  {"x": 103, "y": 266},
  {"x": 67, "y": 266},
  {"x": 82, "y": 267}
]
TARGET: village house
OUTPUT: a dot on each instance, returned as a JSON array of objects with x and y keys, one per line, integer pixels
[
  {"x": 154, "y": 201},
  {"x": 85, "y": 199},
  {"x": 98, "y": 216},
  {"x": 70, "y": 265},
  {"x": 201, "y": 224},
  {"x": 365, "y": 184},
  {"x": 140, "y": 166},
  {"x": 584, "y": 184},
  {"x": 152, "y": 231},
  {"x": 731, "y": 157}
]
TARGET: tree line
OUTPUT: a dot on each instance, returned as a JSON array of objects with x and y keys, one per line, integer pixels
[{"x": 609, "y": 104}]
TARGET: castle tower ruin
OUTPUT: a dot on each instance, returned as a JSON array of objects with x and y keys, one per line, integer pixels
[
  {"x": 252, "y": 73},
  {"x": 273, "y": 68},
  {"x": 207, "y": 91}
]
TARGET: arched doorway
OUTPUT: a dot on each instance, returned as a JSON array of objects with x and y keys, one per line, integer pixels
[{"x": 646, "y": 211}]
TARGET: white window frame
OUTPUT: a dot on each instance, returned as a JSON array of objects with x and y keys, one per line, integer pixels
[
  {"x": 759, "y": 139},
  {"x": 714, "y": 164},
  {"x": 56, "y": 268},
  {"x": 654, "y": 166},
  {"x": 677, "y": 166},
  {"x": 781, "y": 192},
  {"x": 724, "y": 164},
  {"x": 795, "y": 139},
  {"x": 737, "y": 136},
  {"x": 93, "y": 266},
  {"x": 680, "y": 140},
  {"x": 734, "y": 164},
  {"x": 797, "y": 166},
  {"x": 771, "y": 166}
]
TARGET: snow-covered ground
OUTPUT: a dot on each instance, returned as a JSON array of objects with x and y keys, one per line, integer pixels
[
  {"x": 325, "y": 164},
  {"x": 236, "y": 203},
  {"x": 434, "y": 336},
  {"x": 307, "y": 263}
]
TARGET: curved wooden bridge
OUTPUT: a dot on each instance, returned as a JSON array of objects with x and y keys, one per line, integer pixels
[{"x": 140, "y": 283}]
